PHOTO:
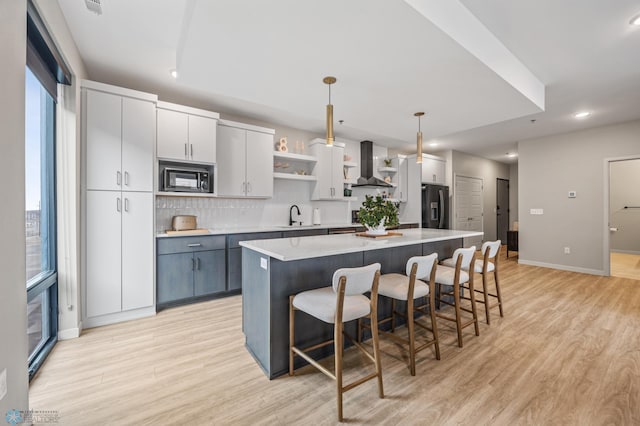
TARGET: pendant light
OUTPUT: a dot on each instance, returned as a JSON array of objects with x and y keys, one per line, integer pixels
[
  {"x": 329, "y": 81},
  {"x": 419, "y": 139}
]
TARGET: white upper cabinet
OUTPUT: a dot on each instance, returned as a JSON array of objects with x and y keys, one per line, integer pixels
[
  {"x": 186, "y": 134},
  {"x": 138, "y": 138},
  {"x": 433, "y": 169},
  {"x": 103, "y": 130},
  {"x": 329, "y": 170},
  {"x": 119, "y": 133},
  {"x": 245, "y": 160}
]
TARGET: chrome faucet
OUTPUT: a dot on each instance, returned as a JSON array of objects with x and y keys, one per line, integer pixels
[{"x": 291, "y": 221}]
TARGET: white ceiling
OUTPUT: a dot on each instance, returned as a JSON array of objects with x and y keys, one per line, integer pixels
[{"x": 478, "y": 68}]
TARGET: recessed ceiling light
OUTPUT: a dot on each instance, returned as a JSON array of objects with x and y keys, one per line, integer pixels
[
  {"x": 433, "y": 144},
  {"x": 582, "y": 114},
  {"x": 511, "y": 154},
  {"x": 174, "y": 73},
  {"x": 635, "y": 20}
]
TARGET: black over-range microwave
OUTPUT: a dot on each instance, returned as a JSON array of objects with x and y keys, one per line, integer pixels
[{"x": 187, "y": 179}]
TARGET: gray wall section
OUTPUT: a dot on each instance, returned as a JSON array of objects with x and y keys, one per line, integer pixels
[
  {"x": 13, "y": 299},
  {"x": 489, "y": 171},
  {"x": 550, "y": 167},
  {"x": 624, "y": 191},
  {"x": 513, "y": 194}
]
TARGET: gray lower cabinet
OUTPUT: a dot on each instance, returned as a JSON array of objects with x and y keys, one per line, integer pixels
[{"x": 189, "y": 267}]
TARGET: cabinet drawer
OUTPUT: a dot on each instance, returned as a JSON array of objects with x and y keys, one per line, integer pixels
[
  {"x": 304, "y": 233},
  {"x": 191, "y": 243},
  {"x": 234, "y": 240}
]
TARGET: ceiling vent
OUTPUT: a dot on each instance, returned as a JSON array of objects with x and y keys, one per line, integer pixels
[{"x": 94, "y": 5}]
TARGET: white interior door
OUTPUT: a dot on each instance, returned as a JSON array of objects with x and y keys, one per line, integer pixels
[{"x": 468, "y": 207}]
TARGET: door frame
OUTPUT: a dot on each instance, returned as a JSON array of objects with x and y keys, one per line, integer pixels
[
  {"x": 606, "y": 240},
  {"x": 508, "y": 204},
  {"x": 454, "y": 204}
]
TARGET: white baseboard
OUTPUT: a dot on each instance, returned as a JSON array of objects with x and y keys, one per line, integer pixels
[
  {"x": 625, "y": 251},
  {"x": 119, "y": 317},
  {"x": 69, "y": 333},
  {"x": 562, "y": 267}
]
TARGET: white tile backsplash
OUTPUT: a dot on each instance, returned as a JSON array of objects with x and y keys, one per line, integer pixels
[{"x": 215, "y": 213}]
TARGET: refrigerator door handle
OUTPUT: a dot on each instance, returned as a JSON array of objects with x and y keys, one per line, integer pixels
[{"x": 441, "y": 197}]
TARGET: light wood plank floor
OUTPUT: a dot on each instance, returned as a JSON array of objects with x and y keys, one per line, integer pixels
[
  {"x": 625, "y": 265},
  {"x": 567, "y": 353}
]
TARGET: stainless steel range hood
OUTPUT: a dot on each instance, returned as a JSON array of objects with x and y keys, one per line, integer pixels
[{"x": 367, "y": 167}]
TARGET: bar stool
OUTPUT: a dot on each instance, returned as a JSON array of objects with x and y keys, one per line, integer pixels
[
  {"x": 344, "y": 301},
  {"x": 490, "y": 252},
  {"x": 408, "y": 288},
  {"x": 457, "y": 277}
]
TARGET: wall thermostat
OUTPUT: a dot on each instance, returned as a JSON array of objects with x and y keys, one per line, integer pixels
[{"x": 572, "y": 194}]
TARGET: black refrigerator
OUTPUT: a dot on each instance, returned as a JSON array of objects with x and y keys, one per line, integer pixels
[{"x": 435, "y": 206}]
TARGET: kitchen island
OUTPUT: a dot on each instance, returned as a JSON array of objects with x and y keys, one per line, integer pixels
[{"x": 274, "y": 269}]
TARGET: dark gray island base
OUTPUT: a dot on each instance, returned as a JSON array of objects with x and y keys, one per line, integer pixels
[{"x": 307, "y": 263}]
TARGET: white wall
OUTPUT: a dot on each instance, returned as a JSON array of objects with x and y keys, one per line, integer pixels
[
  {"x": 68, "y": 173},
  {"x": 489, "y": 171},
  {"x": 13, "y": 294},
  {"x": 550, "y": 167},
  {"x": 624, "y": 191}
]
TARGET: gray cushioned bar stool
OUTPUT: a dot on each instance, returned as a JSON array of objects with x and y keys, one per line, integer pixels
[{"x": 344, "y": 301}]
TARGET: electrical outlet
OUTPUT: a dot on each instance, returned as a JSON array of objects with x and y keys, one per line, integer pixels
[
  {"x": 567, "y": 250},
  {"x": 263, "y": 263},
  {"x": 536, "y": 211},
  {"x": 3, "y": 383}
]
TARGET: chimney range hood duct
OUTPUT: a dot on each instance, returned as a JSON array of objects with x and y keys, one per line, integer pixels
[{"x": 366, "y": 168}]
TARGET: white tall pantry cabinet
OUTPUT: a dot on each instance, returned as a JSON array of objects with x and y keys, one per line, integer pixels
[{"x": 118, "y": 132}]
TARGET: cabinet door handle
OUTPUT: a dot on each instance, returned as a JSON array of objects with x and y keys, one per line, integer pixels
[
  {"x": 193, "y": 264},
  {"x": 118, "y": 204},
  {"x": 434, "y": 178},
  {"x": 194, "y": 245},
  {"x": 197, "y": 263},
  {"x": 126, "y": 178},
  {"x": 126, "y": 204},
  {"x": 118, "y": 178},
  {"x": 243, "y": 190},
  {"x": 191, "y": 150},
  {"x": 185, "y": 150},
  {"x": 248, "y": 187}
]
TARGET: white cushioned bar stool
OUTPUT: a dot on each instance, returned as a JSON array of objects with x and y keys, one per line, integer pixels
[
  {"x": 344, "y": 301},
  {"x": 408, "y": 288},
  {"x": 459, "y": 279},
  {"x": 490, "y": 254}
]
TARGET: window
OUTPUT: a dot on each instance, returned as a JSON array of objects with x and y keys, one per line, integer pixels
[
  {"x": 45, "y": 70},
  {"x": 40, "y": 220}
]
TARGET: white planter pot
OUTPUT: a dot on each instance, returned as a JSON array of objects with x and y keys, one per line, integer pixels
[{"x": 377, "y": 230}]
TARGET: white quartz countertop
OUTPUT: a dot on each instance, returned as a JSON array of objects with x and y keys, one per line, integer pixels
[
  {"x": 273, "y": 228},
  {"x": 298, "y": 248}
]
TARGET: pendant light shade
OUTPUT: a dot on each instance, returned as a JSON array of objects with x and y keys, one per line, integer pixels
[
  {"x": 329, "y": 81},
  {"x": 419, "y": 139}
]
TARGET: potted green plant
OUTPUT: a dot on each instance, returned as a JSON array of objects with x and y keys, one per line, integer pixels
[
  {"x": 388, "y": 162},
  {"x": 377, "y": 214}
]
